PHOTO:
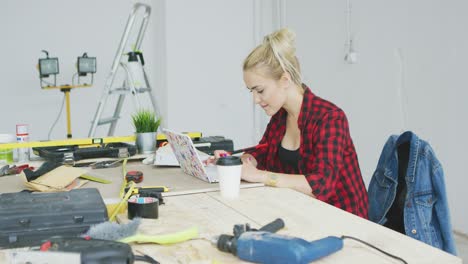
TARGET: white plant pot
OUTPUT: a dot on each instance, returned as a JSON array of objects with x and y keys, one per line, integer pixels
[{"x": 146, "y": 142}]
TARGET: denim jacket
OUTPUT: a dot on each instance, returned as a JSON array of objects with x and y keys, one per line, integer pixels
[{"x": 426, "y": 212}]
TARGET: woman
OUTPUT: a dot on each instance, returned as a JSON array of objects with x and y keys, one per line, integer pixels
[{"x": 309, "y": 144}]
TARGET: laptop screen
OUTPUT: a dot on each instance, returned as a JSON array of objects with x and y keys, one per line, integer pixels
[{"x": 187, "y": 155}]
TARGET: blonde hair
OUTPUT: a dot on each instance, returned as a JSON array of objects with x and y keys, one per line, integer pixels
[{"x": 276, "y": 55}]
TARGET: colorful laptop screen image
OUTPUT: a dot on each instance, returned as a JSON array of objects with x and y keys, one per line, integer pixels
[{"x": 189, "y": 158}]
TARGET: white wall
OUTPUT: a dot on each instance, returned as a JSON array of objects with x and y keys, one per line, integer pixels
[
  {"x": 66, "y": 29},
  {"x": 413, "y": 48},
  {"x": 206, "y": 42},
  {"x": 194, "y": 51}
]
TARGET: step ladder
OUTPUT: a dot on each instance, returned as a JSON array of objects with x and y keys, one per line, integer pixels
[{"x": 128, "y": 87}]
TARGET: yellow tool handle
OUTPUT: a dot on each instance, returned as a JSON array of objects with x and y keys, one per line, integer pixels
[
  {"x": 165, "y": 239},
  {"x": 137, "y": 190},
  {"x": 94, "y": 178}
]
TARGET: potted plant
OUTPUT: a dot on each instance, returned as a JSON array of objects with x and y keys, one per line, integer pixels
[{"x": 146, "y": 125}]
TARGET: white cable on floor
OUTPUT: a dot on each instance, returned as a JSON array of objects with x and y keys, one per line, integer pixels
[{"x": 400, "y": 90}]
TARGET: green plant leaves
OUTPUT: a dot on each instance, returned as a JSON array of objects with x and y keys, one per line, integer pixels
[{"x": 145, "y": 121}]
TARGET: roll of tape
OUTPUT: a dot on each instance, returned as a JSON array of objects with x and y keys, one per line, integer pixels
[{"x": 144, "y": 207}]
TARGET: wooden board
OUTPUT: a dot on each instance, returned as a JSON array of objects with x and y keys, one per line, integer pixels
[{"x": 305, "y": 217}]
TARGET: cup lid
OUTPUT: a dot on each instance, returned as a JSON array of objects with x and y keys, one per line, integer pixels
[{"x": 229, "y": 161}]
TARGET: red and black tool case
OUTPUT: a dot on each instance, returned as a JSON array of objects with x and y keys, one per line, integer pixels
[{"x": 28, "y": 218}]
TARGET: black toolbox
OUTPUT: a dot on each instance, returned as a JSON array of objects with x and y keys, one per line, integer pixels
[
  {"x": 210, "y": 144},
  {"x": 28, "y": 218},
  {"x": 109, "y": 150}
]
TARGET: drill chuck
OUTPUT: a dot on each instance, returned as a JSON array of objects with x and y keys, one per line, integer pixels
[{"x": 227, "y": 243}]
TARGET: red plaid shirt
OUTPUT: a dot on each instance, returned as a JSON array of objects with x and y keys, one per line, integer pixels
[{"x": 327, "y": 155}]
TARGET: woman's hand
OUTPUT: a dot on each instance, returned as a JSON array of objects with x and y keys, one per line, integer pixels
[
  {"x": 217, "y": 155},
  {"x": 250, "y": 172},
  {"x": 221, "y": 153}
]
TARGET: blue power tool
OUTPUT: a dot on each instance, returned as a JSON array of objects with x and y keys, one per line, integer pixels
[{"x": 263, "y": 246}]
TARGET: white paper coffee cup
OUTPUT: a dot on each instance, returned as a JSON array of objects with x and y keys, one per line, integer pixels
[{"x": 229, "y": 175}]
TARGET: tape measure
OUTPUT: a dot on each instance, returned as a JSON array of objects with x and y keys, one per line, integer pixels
[{"x": 135, "y": 176}]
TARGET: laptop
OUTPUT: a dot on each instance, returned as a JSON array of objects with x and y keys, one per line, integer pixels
[{"x": 189, "y": 158}]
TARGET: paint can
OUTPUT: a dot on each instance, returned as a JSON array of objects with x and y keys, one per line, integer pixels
[
  {"x": 6, "y": 155},
  {"x": 22, "y": 135}
]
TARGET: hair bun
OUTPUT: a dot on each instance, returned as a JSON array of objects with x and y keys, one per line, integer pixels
[
  {"x": 283, "y": 39},
  {"x": 278, "y": 54}
]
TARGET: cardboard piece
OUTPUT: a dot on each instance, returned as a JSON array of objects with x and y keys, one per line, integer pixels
[{"x": 62, "y": 178}]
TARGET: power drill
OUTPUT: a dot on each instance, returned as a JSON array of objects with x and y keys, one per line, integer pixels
[{"x": 263, "y": 246}]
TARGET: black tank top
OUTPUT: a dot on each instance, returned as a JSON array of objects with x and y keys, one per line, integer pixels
[{"x": 286, "y": 156}]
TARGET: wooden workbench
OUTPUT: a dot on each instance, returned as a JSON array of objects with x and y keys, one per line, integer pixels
[
  {"x": 172, "y": 177},
  {"x": 304, "y": 217},
  {"x": 193, "y": 202}
]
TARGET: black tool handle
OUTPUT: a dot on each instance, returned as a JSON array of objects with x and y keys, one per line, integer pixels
[
  {"x": 274, "y": 226},
  {"x": 141, "y": 58},
  {"x": 146, "y": 189},
  {"x": 43, "y": 169},
  {"x": 94, "y": 250}
]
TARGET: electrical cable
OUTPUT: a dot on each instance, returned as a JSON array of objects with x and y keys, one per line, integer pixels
[
  {"x": 56, "y": 120},
  {"x": 374, "y": 247},
  {"x": 348, "y": 23},
  {"x": 61, "y": 108},
  {"x": 73, "y": 79},
  {"x": 401, "y": 89},
  {"x": 350, "y": 56},
  {"x": 46, "y": 82},
  {"x": 146, "y": 258}
]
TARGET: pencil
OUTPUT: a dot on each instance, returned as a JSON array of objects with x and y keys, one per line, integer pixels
[{"x": 259, "y": 146}]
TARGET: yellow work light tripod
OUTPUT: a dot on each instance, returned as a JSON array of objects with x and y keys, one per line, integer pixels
[
  {"x": 66, "y": 89},
  {"x": 49, "y": 67}
]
